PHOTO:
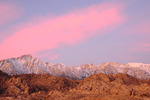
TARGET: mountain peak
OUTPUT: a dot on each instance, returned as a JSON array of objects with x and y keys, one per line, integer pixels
[
  {"x": 90, "y": 65},
  {"x": 27, "y": 56}
]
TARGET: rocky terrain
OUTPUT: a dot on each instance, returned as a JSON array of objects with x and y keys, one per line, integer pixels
[
  {"x": 27, "y": 64},
  {"x": 95, "y": 87}
]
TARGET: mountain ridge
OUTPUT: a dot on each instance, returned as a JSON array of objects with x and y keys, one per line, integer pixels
[{"x": 26, "y": 64}]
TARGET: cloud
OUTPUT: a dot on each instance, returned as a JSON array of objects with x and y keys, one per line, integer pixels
[
  {"x": 142, "y": 29},
  {"x": 146, "y": 45},
  {"x": 54, "y": 56},
  {"x": 140, "y": 47},
  {"x": 8, "y": 12},
  {"x": 46, "y": 33}
]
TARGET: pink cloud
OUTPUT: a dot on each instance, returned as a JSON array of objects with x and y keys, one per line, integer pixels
[
  {"x": 141, "y": 47},
  {"x": 49, "y": 55},
  {"x": 67, "y": 30},
  {"x": 54, "y": 56},
  {"x": 146, "y": 45},
  {"x": 141, "y": 28},
  {"x": 8, "y": 12}
]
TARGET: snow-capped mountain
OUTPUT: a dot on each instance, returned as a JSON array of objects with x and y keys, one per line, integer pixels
[{"x": 27, "y": 64}]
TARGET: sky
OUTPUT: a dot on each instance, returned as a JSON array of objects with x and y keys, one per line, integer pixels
[{"x": 76, "y": 32}]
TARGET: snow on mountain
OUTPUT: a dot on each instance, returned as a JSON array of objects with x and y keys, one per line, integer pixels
[{"x": 27, "y": 64}]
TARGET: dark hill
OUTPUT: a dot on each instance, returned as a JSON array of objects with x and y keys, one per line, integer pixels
[{"x": 95, "y": 87}]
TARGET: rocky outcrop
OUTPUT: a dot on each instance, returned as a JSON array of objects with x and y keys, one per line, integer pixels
[
  {"x": 27, "y": 84},
  {"x": 95, "y": 87}
]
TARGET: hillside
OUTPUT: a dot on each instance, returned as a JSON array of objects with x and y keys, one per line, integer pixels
[{"x": 95, "y": 87}]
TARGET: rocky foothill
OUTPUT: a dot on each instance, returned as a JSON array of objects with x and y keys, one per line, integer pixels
[{"x": 95, "y": 87}]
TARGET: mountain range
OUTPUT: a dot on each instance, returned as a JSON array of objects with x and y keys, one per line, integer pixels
[
  {"x": 27, "y": 64},
  {"x": 28, "y": 78}
]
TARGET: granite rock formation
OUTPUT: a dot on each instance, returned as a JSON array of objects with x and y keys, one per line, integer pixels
[{"x": 27, "y": 64}]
